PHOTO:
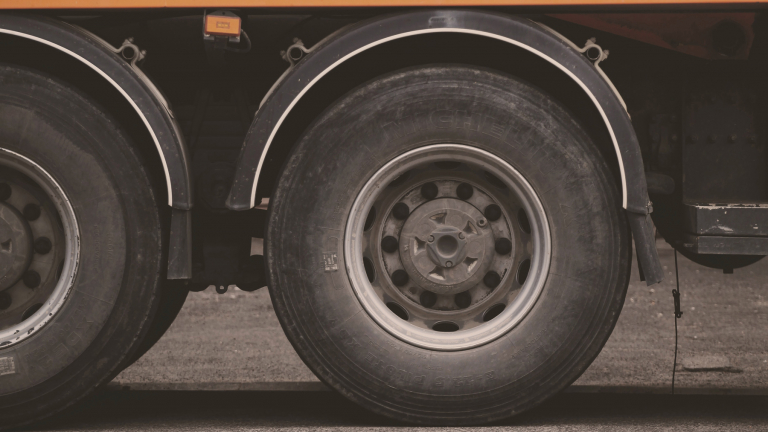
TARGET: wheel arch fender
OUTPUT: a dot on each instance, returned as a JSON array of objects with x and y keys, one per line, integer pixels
[
  {"x": 149, "y": 104},
  {"x": 523, "y": 33}
]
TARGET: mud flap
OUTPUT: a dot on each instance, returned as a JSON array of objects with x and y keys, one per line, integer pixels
[{"x": 645, "y": 245}]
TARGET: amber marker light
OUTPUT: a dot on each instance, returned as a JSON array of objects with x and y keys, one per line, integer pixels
[{"x": 217, "y": 25}]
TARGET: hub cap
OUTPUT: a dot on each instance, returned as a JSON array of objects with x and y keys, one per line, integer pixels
[
  {"x": 448, "y": 247},
  {"x": 443, "y": 246},
  {"x": 38, "y": 247}
]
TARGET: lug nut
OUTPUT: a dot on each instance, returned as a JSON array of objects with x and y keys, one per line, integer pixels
[
  {"x": 492, "y": 279},
  {"x": 5, "y": 191},
  {"x": 463, "y": 299},
  {"x": 43, "y": 245},
  {"x": 31, "y": 212},
  {"x": 401, "y": 211},
  {"x": 481, "y": 222},
  {"x": 429, "y": 191},
  {"x": 464, "y": 191},
  {"x": 428, "y": 299},
  {"x": 389, "y": 244},
  {"x": 732, "y": 138},
  {"x": 5, "y": 300},
  {"x": 461, "y": 235},
  {"x": 31, "y": 279},
  {"x": 503, "y": 246},
  {"x": 492, "y": 212},
  {"x": 448, "y": 264},
  {"x": 431, "y": 239},
  {"x": 399, "y": 277}
]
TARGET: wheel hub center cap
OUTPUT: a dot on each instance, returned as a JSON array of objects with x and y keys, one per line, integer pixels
[
  {"x": 15, "y": 246},
  {"x": 446, "y": 246}
]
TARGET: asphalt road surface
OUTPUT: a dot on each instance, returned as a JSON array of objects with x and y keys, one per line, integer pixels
[
  {"x": 305, "y": 411},
  {"x": 233, "y": 341}
]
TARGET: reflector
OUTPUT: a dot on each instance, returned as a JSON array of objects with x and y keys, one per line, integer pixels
[{"x": 222, "y": 25}]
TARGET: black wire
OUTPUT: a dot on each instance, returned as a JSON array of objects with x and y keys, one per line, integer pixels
[
  {"x": 676, "y": 294},
  {"x": 244, "y": 37},
  {"x": 674, "y": 363}
]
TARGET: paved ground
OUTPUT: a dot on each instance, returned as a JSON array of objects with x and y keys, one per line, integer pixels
[
  {"x": 235, "y": 338},
  {"x": 305, "y": 411}
]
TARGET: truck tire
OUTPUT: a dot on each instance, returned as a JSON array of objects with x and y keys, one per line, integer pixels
[
  {"x": 446, "y": 246},
  {"x": 73, "y": 306}
]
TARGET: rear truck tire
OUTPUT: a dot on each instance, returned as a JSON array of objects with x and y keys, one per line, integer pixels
[
  {"x": 69, "y": 174},
  {"x": 446, "y": 246}
]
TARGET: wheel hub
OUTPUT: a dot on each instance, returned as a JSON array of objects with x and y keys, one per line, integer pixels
[
  {"x": 445, "y": 246},
  {"x": 15, "y": 246}
]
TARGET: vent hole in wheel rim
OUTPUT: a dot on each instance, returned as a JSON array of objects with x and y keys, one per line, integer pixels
[
  {"x": 370, "y": 219},
  {"x": 493, "y": 312},
  {"x": 522, "y": 219},
  {"x": 370, "y": 271},
  {"x": 31, "y": 311},
  {"x": 398, "y": 310},
  {"x": 522, "y": 271},
  {"x": 445, "y": 326}
]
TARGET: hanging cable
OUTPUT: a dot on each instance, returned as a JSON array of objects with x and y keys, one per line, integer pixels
[
  {"x": 678, "y": 314},
  {"x": 247, "y": 44}
]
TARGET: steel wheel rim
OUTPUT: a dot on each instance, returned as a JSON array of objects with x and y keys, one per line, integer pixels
[
  {"x": 56, "y": 268},
  {"x": 374, "y": 295}
]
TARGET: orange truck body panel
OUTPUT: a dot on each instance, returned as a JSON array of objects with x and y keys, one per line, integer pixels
[{"x": 119, "y": 4}]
